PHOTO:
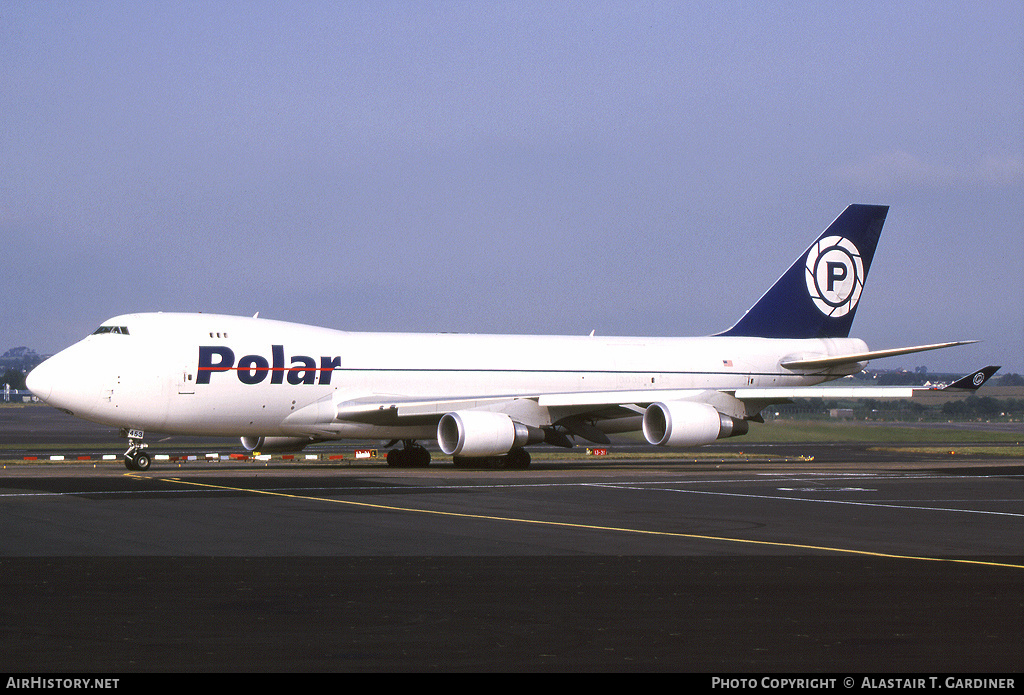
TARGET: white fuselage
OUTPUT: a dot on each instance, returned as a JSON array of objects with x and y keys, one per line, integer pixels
[{"x": 206, "y": 374}]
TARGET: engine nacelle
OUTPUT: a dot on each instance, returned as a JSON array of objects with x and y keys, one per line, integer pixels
[
  {"x": 483, "y": 433},
  {"x": 687, "y": 423},
  {"x": 276, "y": 444}
]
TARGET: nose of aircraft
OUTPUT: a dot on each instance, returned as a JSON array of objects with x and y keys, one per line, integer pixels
[
  {"x": 40, "y": 380},
  {"x": 78, "y": 380}
]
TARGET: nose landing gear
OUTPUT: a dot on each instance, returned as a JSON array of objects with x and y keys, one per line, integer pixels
[{"x": 136, "y": 458}]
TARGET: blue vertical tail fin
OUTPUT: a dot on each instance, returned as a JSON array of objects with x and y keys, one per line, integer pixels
[{"x": 817, "y": 297}]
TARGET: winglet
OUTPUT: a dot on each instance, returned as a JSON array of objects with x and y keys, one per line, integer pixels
[{"x": 973, "y": 381}]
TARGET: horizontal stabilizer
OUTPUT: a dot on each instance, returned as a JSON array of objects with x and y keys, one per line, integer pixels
[{"x": 837, "y": 360}]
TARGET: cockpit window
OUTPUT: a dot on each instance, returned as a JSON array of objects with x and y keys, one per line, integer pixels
[{"x": 121, "y": 330}]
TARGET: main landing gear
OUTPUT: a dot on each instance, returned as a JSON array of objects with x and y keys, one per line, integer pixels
[
  {"x": 516, "y": 460},
  {"x": 136, "y": 458},
  {"x": 411, "y": 455}
]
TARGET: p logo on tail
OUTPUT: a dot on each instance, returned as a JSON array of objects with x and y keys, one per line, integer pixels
[{"x": 835, "y": 276}]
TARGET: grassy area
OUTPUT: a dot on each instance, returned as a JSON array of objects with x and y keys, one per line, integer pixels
[
  {"x": 1010, "y": 451},
  {"x": 777, "y": 431}
]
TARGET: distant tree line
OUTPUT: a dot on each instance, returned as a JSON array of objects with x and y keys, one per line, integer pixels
[
  {"x": 15, "y": 378},
  {"x": 1010, "y": 380},
  {"x": 906, "y": 410},
  {"x": 985, "y": 407},
  {"x": 15, "y": 364}
]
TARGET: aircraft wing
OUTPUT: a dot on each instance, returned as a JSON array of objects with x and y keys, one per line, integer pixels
[
  {"x": 588, "y": 414},
  {"x": 972, "y": 381}
]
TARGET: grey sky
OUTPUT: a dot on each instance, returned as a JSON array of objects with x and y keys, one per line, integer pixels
[{"x": 631, "y": 168}]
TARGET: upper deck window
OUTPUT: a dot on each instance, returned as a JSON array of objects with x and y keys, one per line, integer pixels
[{"x": 121, "y": 330}]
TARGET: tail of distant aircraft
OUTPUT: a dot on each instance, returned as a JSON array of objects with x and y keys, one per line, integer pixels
[{"x": 817, "y": 297}]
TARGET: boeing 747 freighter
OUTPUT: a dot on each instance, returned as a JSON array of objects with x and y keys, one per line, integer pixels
[{"x": 282, "y": 386}]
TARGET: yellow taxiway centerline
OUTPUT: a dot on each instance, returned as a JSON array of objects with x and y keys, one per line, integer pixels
[{"x": 566, "y": 524}]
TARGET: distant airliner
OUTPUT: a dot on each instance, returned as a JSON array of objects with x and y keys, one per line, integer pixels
[{"x": 281, "y": 386}]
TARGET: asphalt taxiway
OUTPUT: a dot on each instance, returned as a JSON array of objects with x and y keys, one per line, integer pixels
[{"x": 854, "y": 561}]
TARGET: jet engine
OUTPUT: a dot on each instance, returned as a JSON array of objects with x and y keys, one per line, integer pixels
[
  {"x": 483, "y": 433},
  {"x": 687, "y": 423},
  {"x": 276, "y": 444}
]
